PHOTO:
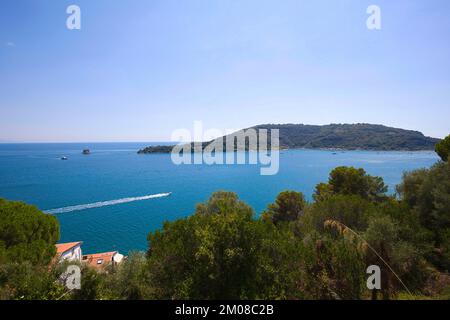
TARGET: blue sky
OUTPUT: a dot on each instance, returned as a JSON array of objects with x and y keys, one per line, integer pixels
[{"x": 137, "y": 70}]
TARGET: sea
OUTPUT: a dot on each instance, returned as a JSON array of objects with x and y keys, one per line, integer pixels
[{"x": 112, "y": 198}]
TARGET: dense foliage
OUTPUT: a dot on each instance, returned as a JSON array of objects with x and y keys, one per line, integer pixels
[
  {"x": 26, "y": 234},
  {"x": 351, "y": 136},
  {"x": 443, "y": 148},
  {"x": 288, "y": 206},
  {"x": 156, "y": 149},
  {"x": 351, "y": 181},
  {"x": 338, "y": 136},
  {"x": 220, "y": 252},
  {"x": 27, "y": 245},
  {"x": 427, "y": 193},
  {"x": 294, "y": 250}
]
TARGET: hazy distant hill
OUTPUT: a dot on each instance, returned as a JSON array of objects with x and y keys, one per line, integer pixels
[
  {"x": 340, "y": 136},
  {"x": 351, "y": 136}
]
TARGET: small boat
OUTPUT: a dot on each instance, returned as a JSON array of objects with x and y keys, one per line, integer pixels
[
  {"x": 86, "y": 151},
  {"x": 64, "y": 158}
]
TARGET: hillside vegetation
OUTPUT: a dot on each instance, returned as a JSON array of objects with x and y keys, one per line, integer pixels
[
  {"x": 294, "y": 249},
  {"x": 339, "y": 136}
]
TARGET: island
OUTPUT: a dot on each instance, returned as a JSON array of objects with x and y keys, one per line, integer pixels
[{"x": 360, "y": 136}]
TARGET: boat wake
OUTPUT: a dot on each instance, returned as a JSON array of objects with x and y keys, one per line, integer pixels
[{"x": 105, "y": 203}]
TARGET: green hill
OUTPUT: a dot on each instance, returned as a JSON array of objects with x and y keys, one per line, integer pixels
[{"x": 340, "y": 136}]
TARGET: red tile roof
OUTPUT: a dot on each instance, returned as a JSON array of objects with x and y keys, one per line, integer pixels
[
  {"x": 99, "y": 260},
  {"x": 63, "y": 247}
]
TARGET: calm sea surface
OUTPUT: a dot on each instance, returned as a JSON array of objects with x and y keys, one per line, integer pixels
[{"x": 35, "y": 174}]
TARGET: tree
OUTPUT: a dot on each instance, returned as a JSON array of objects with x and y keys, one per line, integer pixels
[
  {"x": 131, "y": 279},
  {"x": 351, "y": 210},
  {"x": 333, "y": 265},
  {"x": 322, "y": 192},
  {"x": 223, "y": 202},
  {"x": 288, "y": 206},
  {"x": 389, "y": 226},
  {"x": 221, "y": 252},
  {"x": 26, "y": 234},
  {"x": 427, "y": 193},
  {"x": 92, "y": 285},
  {"x": 409, "y": 190},
  {"x": 352, "y": 181},
  {"x": 25, "y": 281},
  {"x": 402, "y": 267},
  {"x": 443, "y": 148}
]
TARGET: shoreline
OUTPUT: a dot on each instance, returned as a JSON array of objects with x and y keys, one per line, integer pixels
[{"x": 143, "y": 151}]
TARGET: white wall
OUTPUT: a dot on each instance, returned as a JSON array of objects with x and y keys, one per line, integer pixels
[{"x": 73, "y": 254}]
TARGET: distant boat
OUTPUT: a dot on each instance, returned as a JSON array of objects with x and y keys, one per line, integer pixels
[
  {"x": 64, "y": 158},
  {"x": 86, "y": 151}
]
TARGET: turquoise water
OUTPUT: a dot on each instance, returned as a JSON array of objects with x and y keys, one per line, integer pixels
[{"x": 35, "y": 174}]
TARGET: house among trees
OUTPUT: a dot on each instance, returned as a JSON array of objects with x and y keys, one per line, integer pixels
[
  {"x": 71, "y": 251},
  {"x": 100, "y": 261}
]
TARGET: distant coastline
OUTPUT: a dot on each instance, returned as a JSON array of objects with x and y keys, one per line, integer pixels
[{"x": 335, "y": 137}]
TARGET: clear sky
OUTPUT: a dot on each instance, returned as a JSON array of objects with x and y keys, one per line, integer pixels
[{"x": 137, "y": 70}]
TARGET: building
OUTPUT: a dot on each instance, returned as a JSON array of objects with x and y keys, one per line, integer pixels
[
  {"x": 101, "y": 261},
  {"x": 70, "y": 251}
]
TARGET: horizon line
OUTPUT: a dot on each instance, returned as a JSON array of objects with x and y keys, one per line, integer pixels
[
  {"x": 79, "y": 142},
  {"x": 168, "y": 141}
]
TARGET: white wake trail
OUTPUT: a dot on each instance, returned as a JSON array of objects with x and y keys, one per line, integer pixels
[{"x": 105, "y": 203}]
